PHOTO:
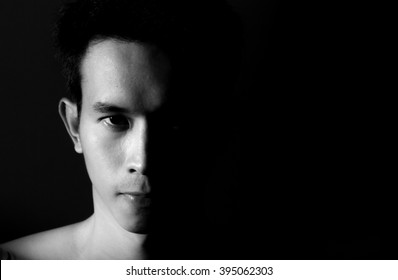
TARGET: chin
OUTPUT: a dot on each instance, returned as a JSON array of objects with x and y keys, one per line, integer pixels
[
  {"x": 138, "y": 224},
  {"x": 139, "y": 229}
]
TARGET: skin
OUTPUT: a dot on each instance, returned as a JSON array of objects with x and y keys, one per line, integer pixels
[{"x": 123, "y": 85}]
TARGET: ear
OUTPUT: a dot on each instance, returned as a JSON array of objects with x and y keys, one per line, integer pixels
[{"x": 69, "y": 115}]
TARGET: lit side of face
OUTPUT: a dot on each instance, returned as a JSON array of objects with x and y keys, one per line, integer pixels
[{"x": 122, "y": 83}]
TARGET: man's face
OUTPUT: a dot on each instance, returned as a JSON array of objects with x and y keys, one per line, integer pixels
[{"x": 123, "y": 86}]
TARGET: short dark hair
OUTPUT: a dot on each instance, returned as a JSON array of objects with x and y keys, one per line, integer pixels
[{"x": 194, "y": 34}]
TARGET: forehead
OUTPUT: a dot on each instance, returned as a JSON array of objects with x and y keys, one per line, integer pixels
[{"x": 124, "y": 73}]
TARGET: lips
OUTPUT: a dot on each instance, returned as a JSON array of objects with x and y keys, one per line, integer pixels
[{"x": 138, "y": 199}]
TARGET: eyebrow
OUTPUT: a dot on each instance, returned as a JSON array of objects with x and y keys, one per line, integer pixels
[{"x": 104, "y": 108}]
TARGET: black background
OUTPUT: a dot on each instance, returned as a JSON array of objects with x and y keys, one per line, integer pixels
[{"x": 309, "y": 174}]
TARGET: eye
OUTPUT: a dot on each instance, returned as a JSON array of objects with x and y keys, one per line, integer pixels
[{"x": 117, "y": 122}]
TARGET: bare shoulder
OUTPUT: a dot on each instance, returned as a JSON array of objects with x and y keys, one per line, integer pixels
[{"x": 58, "y": 243}]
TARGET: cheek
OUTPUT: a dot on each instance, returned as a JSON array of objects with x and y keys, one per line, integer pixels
[{"x": 103, "y": 155}]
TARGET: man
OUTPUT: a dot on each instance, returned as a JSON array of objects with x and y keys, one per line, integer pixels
[{"x": 148, "y": 81}]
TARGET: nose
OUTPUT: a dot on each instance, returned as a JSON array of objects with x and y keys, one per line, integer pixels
[{"x": 137, "y": 146}]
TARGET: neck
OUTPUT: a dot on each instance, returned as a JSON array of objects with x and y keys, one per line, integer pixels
[{"x": 101, "y": 237}]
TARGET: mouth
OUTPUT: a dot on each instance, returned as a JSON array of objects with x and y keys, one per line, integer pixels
[{"x": 139, "y": 199}]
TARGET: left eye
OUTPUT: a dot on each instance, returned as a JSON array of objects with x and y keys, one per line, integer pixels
[{"x": 119, "y": 122}]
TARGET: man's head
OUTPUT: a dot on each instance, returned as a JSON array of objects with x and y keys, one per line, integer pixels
[
  {"x": 124, "y": 86},
  {"x": 145, "y": 79}
]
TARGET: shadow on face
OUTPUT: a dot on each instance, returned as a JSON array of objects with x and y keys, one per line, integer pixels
[{"x": 190, "y": 131}]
